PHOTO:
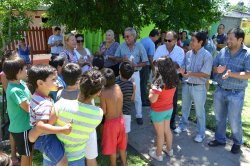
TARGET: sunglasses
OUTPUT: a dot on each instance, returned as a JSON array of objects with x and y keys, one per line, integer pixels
[
  {"x": 165, "y": 40},
  {"x": 79, "y": 41}
]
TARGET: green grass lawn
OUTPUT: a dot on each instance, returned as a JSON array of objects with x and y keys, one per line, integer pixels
[{"x": 210, "y": 118}]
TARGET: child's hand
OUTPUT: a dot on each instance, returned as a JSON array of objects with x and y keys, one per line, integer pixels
[{"x": 67, "y": 128}]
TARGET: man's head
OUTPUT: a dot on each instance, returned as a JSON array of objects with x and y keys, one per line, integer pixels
[
  {"x": 44, "y": 77},
  {"x": 14, "y": 68},
  {"x": 170, "y": 39},
  {"x": 235, "y": 37},
  {"x": 198, "y": 40},
  {"x": 130, "y": 35},
  {"x": 220, "y": 29},
  {"x": 71, "y": 73},
  {"x": 154, "y": 35},
  {"x": 91, "y": 83},
  {"x": 57, "y": 31},
  {"x": 109, "y": 75},
  {"x": 126, "y": 70}
]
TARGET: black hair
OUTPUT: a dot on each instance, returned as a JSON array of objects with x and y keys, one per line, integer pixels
[
  {"x": 165, "y": 73},
  {"x": 154, "y": 33},
  {"x": 57, "y": 29},
  {"x": 109, "y": 75},
  {"x": 56, "y": 61},
  {"x": 98, "y": 61},
  {"x": 71, "y": 73},
  {"x": 91, "y": 83},
  {"x": 12, "y": 66},
  {"x": 238, "y": 33},
  {"x": 39, "y": 72},
  {"x": 126, "y": 70},
  {"x": 200, "y": 36},
  {"x": 79, "y": 35},
  {"x": 186, "y": 34},
  {"x": 6, "y": 55},
  {"x": 222, "y": 25}
]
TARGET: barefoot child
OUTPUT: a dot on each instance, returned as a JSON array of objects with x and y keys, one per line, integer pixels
[
  {"x": 161, "y": 98},
  {"x": 113, "y": 131},
  {"x": 18, "y": 97},
  {"x": 42, "y": 114}
]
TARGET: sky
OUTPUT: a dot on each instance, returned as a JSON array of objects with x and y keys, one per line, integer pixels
[{"x": 233, "y": 2}]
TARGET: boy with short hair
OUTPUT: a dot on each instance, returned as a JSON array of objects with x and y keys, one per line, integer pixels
[
  {"x": 43, "y": 78},
  {"x": 128, "y": 91},
  {"x": 114, "y": 135},
  {"x": 18, "y": 97},
  {"x": 85, "y": 116}
]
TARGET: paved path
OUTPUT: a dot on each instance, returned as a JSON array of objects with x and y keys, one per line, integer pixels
[{"x": 186, "y": 151}]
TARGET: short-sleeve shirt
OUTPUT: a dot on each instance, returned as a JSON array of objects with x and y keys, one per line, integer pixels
[
  {"x": 138, "y": 53},
  {"x": 52, "y": 40},
  {"x": 240, "y": 62},
  {"x": 149, "y": 46},
  {"x": 109, "y": 51},
  {"x": 19, "y": 118},
  {"x": 201, "y": 61},
  {"x": 40, "y": 108},
  {"x": 177, "y": 54},
  {"x": 165, "y": 99},
  {"x": 127, "y": 91},
  {"x": 220, "y": 39},
  {"x": 85, "y": 119}
]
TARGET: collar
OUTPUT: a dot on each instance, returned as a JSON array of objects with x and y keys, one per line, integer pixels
[{"x": 199, "y": 51}]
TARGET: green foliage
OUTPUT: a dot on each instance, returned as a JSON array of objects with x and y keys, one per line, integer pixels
[{"x": 13, "y": 18}]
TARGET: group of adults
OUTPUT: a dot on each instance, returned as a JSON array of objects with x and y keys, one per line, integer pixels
[{"x": 194, "y": 63}]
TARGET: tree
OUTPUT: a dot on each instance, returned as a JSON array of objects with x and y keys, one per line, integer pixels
[
  {"x": 181, "y": 14},
  {"x": 239, "y": 7},
  {"x": 13, "y": 18},
  {"x": 97, "y": 14}
]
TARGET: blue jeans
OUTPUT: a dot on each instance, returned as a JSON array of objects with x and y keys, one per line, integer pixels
[
  {"x": 198, "y": 95},
  {"x": 228, "y": 104},
  {"x": 80, "y": 162}
]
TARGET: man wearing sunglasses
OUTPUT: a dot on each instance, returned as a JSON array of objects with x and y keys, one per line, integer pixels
[
  {"x": 55, "y": 42},
  {"x": 176, "y": 53},
  {"x": 134, "y": 52}
]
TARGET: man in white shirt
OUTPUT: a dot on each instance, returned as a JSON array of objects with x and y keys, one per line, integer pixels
[
  {"x": 55, "y": 42},
  {"x": 177, "y": 54}
]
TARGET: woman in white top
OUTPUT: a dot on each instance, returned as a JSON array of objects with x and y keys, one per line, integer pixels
[{"x": 83, "y": 54}]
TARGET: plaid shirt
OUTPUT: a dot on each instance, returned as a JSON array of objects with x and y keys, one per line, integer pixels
[{"x": 240, "y": 62}]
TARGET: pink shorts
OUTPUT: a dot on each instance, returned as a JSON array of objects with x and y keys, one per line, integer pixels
[{"x": 113, "y": 136}]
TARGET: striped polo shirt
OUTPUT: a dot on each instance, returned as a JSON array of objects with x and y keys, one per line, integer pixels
[{"x": 85, "y": 119}]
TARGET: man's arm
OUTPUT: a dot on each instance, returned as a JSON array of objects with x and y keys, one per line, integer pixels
[{"x": 238, "y": 75}]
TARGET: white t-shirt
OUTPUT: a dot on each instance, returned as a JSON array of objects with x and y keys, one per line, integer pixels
[
  {"x": 52, "y": 40},
  {"x": 85, "y": 57}
]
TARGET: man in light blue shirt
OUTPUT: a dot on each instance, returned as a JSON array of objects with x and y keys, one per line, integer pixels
[
  {"x": 232, "y": 71},
  {"x": 55, "y": 42},
  {"x": 177, "y": 55},
  {"x": 134, "y": 52},
  {"x": 195, "y": 70},
  {"x": 149, "y": 46}
]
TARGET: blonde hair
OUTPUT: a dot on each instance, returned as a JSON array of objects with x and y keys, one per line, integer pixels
[
  {"x": 112, "y": 33},
  {"x": 66, "y": 39}
]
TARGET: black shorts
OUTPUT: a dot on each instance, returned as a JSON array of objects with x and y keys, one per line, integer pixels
[{"x": 24, "y": 146}]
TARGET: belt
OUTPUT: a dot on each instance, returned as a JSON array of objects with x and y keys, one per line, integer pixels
[
  {"x": 228, "y": 89},
  {"x": 190, "y": 84}
]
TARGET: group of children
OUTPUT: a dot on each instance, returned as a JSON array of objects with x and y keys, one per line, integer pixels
[{"x": 57, "y": 114}]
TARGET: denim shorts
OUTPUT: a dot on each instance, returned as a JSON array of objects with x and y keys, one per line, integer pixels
[
  {"x": 51, "y": 146},
  {"x": 161, "y": 116},
  {"x": 80, "y": 162}
]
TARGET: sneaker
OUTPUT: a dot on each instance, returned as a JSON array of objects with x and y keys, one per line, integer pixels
[
  {"x": 178, "y": 130},
  {"x": 139, "y": 121},
  {"x": 169, "y": 153},
  {"x": 235, "y": 149},
  {"x": 215, "y": 143},
  {"x": 152, "y": 153},
  {"x": 199, "y": 138}
]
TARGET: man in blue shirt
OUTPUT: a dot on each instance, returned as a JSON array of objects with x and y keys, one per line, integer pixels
[
  {"x": 220, "y": 38},
  {"x": 195, "y": 71},
  {"x": 55, "y": 42},
  {"x": 149, "y": 46},
  {"x": 134, "y": 52},
  {"x": 232, "y": 71}
]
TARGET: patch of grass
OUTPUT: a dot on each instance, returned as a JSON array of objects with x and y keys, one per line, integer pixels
[{"x": 210, "y": 118}]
